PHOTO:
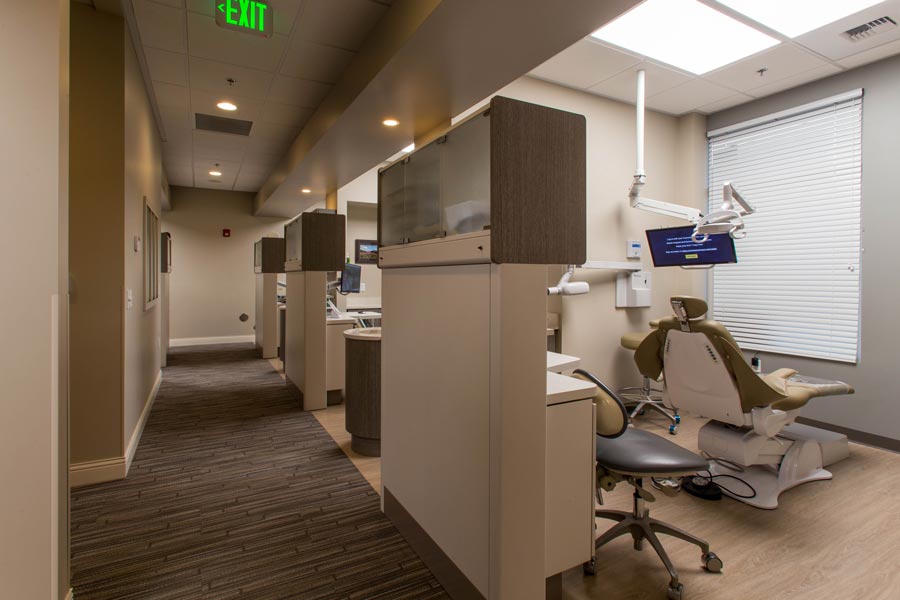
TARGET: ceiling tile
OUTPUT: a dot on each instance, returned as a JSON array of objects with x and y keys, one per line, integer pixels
[
  {"x": 219, "y": 146},
  {"x": 233, "y": 47},
  {"x": 780, "y": 62},
  {"x": 585, "y": 64},
  {"x": 830, "y": 42},
  {"x": 789, "y": 82},
  {"x": 180, "y": 175},
  {"x": 171, "y": 96},
  {"x": 285, "y": 12},
  {"x": 284, "y": 114},
  {"x": 213, "y": 76},
  {"x": 314, "y": 61},
  {"x": 298, "y": 92},
  {"x": 165, "y": 66},
  {"x": 160, "y": 26},
  {"x": 725, "y": 103},
  {"x": 202, "y": 179},
  {"x": 205, "y": 103},
  {"x": 877, "y": 53},
  {"x": 341, "y": 23},
  {"x": 250, "y": 180},
  {"x": 688, "y": 96},
  {"x": 622, "y": 86},
  {"x": 259, "y": 160}
]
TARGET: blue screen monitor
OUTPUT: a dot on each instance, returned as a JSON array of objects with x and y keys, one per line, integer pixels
[
  {"x": 673, "y": 247},
  {"x": 350, "y": 277}
]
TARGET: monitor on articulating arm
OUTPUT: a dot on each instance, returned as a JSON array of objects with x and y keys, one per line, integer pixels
[{"x": 673, "y": 247}]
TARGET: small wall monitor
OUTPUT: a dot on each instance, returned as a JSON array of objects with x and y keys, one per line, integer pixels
[
  {"x": 673, "y": 247},
  {"x": 350, "y": 278}
]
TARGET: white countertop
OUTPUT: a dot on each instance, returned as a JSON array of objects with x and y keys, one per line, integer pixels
[
  {"x": 340, "y": 321},
  {"x": 363, "y": 314},
  {"x": 557, "y": 363},
  {"x": 561, "y": 388}
]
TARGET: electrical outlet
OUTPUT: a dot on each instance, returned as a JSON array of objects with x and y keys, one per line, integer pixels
[
  {"x": 362, "y": 287},
  {"x": 137, "y": 244},
  {"x": 129, "y": 298}
]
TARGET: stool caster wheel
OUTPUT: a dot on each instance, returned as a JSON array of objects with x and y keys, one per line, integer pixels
[
  {"x": 675, "y": 591},
  {"x": 590, "y": 567},
  {"x": 677, "y": 419},
  {"x": 712, "y": 563},
  {"x": 673, "y": 429}
]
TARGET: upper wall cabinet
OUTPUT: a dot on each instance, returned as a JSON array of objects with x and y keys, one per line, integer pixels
[
  {"x": 516, "y": 170},
  {"x": 315, "y": 241},
  {"x": 268, "y": 255}
]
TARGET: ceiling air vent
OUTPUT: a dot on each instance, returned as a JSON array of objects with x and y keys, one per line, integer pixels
[
  {"x": 867, "y": 30},
  {"x": 223, "y": 124}
]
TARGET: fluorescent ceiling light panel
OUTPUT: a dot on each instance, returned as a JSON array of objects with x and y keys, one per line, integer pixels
[
  {"x": 796, "y": 17},
  {"x": 684, "y": 34}
]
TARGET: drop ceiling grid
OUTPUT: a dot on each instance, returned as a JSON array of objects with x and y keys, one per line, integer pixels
[
  {"x": 277, "y": 102},
  {"x": 793, "y": 62}
]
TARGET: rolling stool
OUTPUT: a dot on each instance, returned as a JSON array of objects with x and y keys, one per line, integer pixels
[{"x": 646, "y": 396}]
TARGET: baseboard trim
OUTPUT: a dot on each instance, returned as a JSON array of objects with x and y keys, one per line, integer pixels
[
  {"x": 142, "y": 421},
  {"x": 97, "y": 471},
  {"x": 205, "y": 341},
  {"x": 445, "y": 570},
  {"x": 860, "y": 437}
]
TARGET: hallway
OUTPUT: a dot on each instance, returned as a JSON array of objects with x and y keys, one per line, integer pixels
[{"x": 236, "y": 493}]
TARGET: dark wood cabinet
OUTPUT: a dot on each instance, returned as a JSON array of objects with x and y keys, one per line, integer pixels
[
  {"x": 268, "y": 255},
  {"x": 517, "y": 170},
  {"x": 316, "y": 241}
]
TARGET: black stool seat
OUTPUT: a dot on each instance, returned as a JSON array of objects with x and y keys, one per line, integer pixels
[{"x": 639, "y": 452}]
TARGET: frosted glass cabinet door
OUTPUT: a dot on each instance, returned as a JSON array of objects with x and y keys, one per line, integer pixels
[
  {"x": 466, "y": 177},
  {"x": 393, "y": 211},
  {"x": 423, "y": 193}
]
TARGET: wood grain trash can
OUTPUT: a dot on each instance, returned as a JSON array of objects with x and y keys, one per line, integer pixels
[{"x": 362, "y": 390}]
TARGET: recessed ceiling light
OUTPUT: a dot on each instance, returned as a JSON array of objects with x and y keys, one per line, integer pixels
[
  {"x": 685, "y": 34},
  {"x": 797, "y": 16},
  {"x": 410, "y": 148},
  {"x": 306, "y": 191},
  {"x": 225, "y": 105},
  {"x": 390, "y": 122},
  {"x": 215, "y": 173}
]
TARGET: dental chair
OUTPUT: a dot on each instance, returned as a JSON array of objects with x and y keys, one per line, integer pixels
[
  {"x": 646, "y": 396},
  {"x": 626, "y": 454},
  {"x": 751, "y": 435}
]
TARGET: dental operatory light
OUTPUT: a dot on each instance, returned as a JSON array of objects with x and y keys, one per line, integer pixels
[
  {"x": 685, "y": 34},
  {"x": 729, "y": 219},
  {"x": 225, "y": 105},
  {"x": 796, "y": 17}
]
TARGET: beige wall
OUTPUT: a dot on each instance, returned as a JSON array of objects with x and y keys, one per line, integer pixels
[
  {"x": 362, "y": 223},
  {"x": 143, "y": 179},
  {"x": 116, "y": 164},
  {"x": 33, "y": 233},
  {"x": 97, "y": 214},
  {"x": 675, "y": 165},
  {"x": 212, "y": 280}
]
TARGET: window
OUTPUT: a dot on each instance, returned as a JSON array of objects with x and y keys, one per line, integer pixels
[
  {"x": 795, "y": 289},
  {"x": 151, "y": 256}
]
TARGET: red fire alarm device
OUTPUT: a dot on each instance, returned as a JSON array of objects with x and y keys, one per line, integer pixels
[{"x": 226, "y": 233}]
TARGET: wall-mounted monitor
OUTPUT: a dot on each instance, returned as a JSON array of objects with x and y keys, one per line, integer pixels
[
  {"x": 350, "y": 278},
  {"x": 673, "y": 247}
]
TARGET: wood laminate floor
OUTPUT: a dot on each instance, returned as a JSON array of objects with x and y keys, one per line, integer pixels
[
  {"x": 236, "y": 493},
  {"x": 829, "y": 540}
]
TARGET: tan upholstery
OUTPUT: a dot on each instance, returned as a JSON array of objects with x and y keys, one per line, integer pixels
[
  {"x": 774, "y": 389},
  {"x": 631, "y": 341},
  {"x": 609, "y": 417}
]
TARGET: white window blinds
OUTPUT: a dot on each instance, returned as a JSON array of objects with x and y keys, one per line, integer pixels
[{"x": 795, "y": 289}]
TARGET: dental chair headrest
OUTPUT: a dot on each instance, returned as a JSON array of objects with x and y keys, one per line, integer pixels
[{"x": 695, "y": 308}]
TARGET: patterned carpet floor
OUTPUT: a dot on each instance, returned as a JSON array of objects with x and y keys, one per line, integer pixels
[{"x": 236, "y": 493}]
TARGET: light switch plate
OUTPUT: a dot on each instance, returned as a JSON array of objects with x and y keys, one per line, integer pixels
[
  {"x": 129, "y": 298},
  {"x": 137, "y": 244}
]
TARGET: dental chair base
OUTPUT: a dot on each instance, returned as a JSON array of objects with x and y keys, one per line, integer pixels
[{"x": 770, "y": 465}]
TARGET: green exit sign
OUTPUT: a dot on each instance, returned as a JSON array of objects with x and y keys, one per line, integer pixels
[{"x": 248, "y": 16}]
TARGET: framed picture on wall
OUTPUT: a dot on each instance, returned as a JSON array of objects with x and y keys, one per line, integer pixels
[{"x": 366, "y": 252}]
